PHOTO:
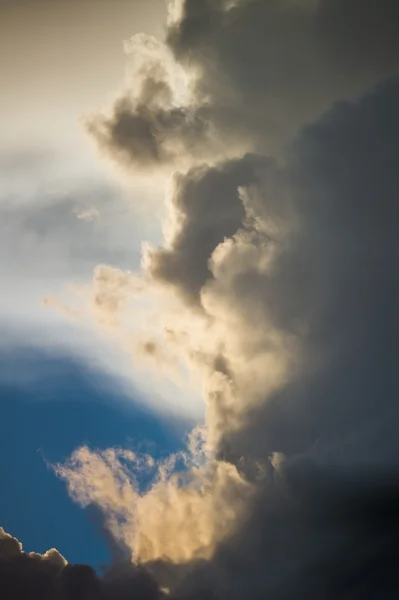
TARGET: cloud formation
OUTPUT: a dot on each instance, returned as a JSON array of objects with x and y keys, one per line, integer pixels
[
  {"x": 48, "y": 576},
  {"x": 198, "y": 223},
  {"x": 148, "y": 124},
  {"x": 297, "y": 311},
  {"x": 277, "y": 285},
  {"x": 246, "y": 75}
]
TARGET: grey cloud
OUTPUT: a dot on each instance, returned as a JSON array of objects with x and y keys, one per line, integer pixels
[
  {"x": 324, "y": 522},
  {"x": 9, "y": 546},
  {"x": 33, "y": 576},
  {"x": 141, "y": 134},
  {"x": 206, "y": 209},
  {"x": 286, "y": 61},
  {"x": 314, "y": 532},
  {"x": 338, "y": 279},
  {"x": 260, "y": 71}
]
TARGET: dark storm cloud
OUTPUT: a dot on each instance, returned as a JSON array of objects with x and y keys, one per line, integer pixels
[
  {"x": 147, "y": 135},
  {"x": 324, "y": 522},
  {"x": 260, "y": 69},
  {"x": 48, "y": 577},
  {"x": 321, "y": 452},
  {"x": 320, "y": 533},
  {"x": 338, "y": 280},
  {"x": 314, "y": 531},
  {"x": 277, "y": 64}
]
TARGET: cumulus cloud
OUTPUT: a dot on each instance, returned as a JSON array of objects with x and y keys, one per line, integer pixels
[
  {"x": 21, "y": 573},
  {"x": 293, "y": 330},
  {"x": 198, "y": 223},
  {"x": 148, "y": 125},
  {"x": 250, "y": 71},
  {"x": 277, "y": 285},
  {"x": 48, "y": 576}
]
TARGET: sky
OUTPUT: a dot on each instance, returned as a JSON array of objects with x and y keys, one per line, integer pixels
[
  {"x": 62, "y": 211},
  {"x": 62, "y": 384},
  {"x": 44, "y": 417},
  {"x": 199, "y": 225}
]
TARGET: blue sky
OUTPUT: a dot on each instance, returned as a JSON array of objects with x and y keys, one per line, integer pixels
[{"x": 47, "y": 416}]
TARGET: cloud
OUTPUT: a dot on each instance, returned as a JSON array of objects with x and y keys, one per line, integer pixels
[
  {"x": 246, "y": 75},
  {"x": 166, "y": 521},
  {"x": 89, "y": 214},
  {"x": 49, "y": 577},
  {"x": 293, "y": 329},
  {"x": 198, "y": 224},
  {"x": 147, "y": 125},
  {"x": 277, "y": 287},
  {"x": 21, "y": 573},
  {"x": 336, "y": 284}
]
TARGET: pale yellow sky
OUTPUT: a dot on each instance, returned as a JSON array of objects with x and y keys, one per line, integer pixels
[{"x": 58, "y": 58}]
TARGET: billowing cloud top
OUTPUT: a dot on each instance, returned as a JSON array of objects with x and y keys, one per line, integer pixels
[
  {"x": 277, "y": 288},
  {"x": 247, "y": 73},
  {"x": 49, "y": 577}
]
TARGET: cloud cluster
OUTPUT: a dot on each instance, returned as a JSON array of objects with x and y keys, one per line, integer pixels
[
  {"x": 48, "y": 576},
  {"x": 247, "y": 74},
  {"x": 298, "y": 316},
  {"x": 277, "y": 284},
  {"x": 149, "y": 125},
  {"x": 205, "y": 208}
]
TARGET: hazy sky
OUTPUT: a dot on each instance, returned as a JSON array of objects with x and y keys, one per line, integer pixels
[{"x": 62, "y": 210}]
